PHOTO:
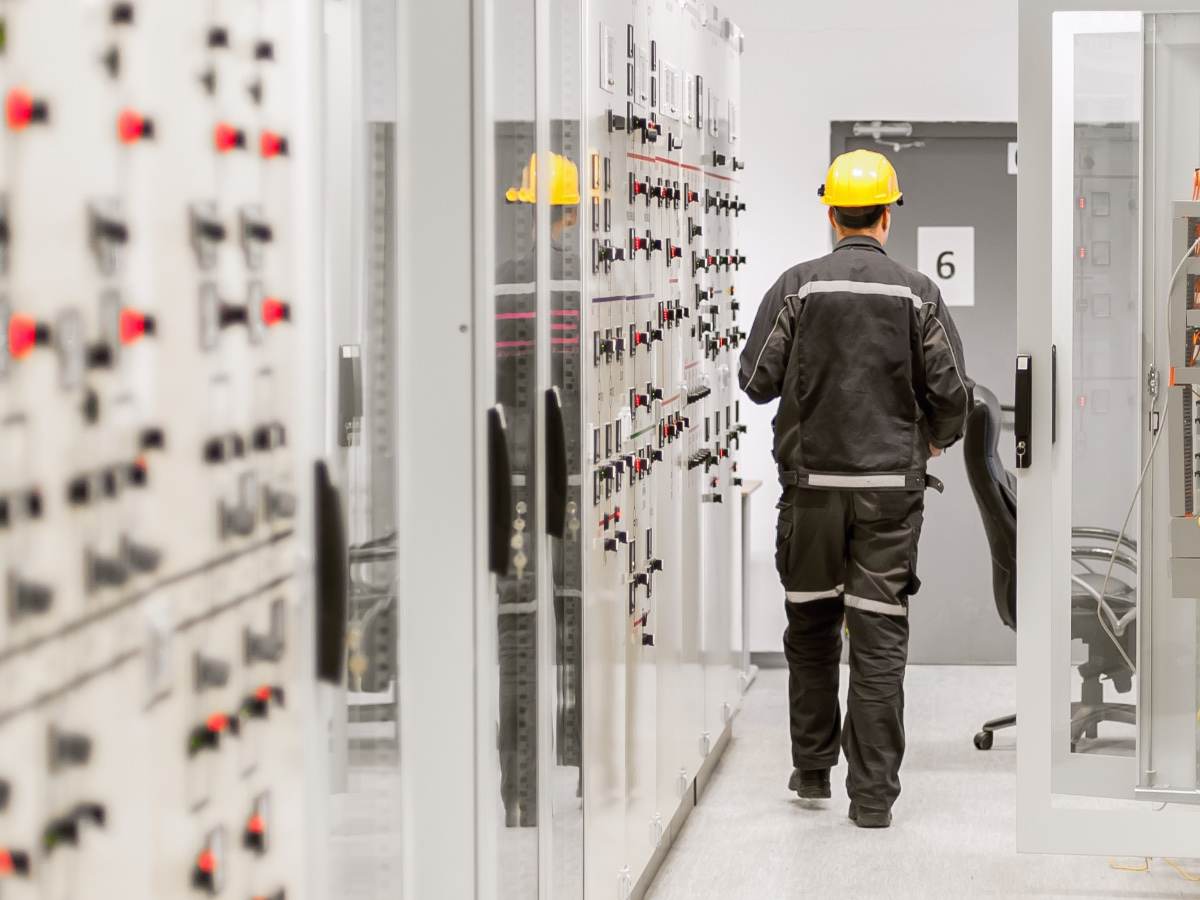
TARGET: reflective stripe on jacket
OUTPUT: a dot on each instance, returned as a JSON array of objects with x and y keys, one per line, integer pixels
[{"x": 868, "y": 366}]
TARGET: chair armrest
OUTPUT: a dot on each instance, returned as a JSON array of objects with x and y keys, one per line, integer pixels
[
  {"x": 1104, "y": 554},
  {"x": 1103, "y": 534}
]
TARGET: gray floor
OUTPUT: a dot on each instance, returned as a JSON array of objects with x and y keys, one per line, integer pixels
[{"x": 954, "y": 830}]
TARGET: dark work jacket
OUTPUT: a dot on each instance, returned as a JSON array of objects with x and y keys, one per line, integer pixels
[{"x": 868, "y": 365}]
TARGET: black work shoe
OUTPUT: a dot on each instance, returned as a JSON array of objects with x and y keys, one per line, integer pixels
[
  {"x": 870, "y": 818},
  {"x": 810, "y": 784}
]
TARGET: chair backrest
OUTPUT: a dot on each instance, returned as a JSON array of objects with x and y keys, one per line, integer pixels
[{"x": 994, "y": 488}]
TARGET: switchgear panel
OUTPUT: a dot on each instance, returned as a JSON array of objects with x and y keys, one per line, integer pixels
[
  {"x": 661, "y": 419},
  {"x": 149, "y": 727}
]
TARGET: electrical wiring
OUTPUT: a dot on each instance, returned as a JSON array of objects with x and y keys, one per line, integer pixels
[
  {"x": 1103, "y": 612},
  {"x": 1122, "y": 867},
  {"x": 1182, "y": 872}
]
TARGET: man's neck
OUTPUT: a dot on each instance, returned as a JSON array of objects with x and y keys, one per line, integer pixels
[{"x": 873, "y": 233}]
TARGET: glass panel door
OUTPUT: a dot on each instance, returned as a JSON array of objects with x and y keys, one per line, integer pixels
[
  {"x": 570, "y": 194},
  {"x": 1106, "y": 610},
  {"x": 1098, "y": 362},
  {"x": 360, "y": 423},
  {"x": 519, "y": 174}
]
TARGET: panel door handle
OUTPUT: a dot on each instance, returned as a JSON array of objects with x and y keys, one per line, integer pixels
[
  {"x": 556, "y": 465},
  {"x": 499, "y": 490},
  {"x": 333, "y": 577},
  {"x": 1023, "y": 411}
]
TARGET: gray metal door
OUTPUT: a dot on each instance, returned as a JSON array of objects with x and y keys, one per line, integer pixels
[{"x": 957, "y": 174}]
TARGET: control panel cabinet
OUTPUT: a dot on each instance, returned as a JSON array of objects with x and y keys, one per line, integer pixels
[
  {"x": 150, "y": 470},
  {"x": 660, "y": 418}
]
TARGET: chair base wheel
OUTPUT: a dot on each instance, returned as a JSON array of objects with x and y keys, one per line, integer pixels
[{"x": 983, "y": 740}]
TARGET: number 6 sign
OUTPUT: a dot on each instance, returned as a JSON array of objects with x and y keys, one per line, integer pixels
[{"x": 947, "y": 255}]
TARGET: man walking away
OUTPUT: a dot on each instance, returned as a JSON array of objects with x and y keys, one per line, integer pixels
[{"x": 868, "y": 367}]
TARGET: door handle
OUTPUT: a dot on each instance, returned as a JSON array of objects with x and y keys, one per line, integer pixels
[
  {"x": 499, "y": 491},
  {"x": 556, "y": 465},
  {"x": 1023, "y": 411},
  {"x": 333, "y": 577}
]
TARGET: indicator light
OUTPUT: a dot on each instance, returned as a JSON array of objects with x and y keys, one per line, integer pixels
[
  {"x": 275, "y": 311},
  {"x": 271, "y": 144},
  {"x": 226, "y": 138},
  {"x": 132, "y": 126},
  {"x": 21, "y": 109}
]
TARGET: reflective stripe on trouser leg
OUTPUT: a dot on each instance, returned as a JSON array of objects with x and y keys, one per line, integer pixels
[
  {"x": 813, "y": 647},
  {"x": 809, "y": 596},
  {"x": 873, "y": 738},
  {"x": 876, "y": 606}
]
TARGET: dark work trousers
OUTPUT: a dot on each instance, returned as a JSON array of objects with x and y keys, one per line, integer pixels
[{"x": 849, "y": 555}]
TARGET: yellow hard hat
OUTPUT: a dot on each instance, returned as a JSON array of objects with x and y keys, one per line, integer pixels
[
  {"x": 564, "y": 183},
  {"x": 861, "y": 178}
]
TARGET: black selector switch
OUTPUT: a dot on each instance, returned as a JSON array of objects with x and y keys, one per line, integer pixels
[
  {"x": 264, "y": 50},
  {"x": 140, "y": 558},
  {"x": 215, "y": 451},
  {"x": 279, "y": 504},
  {"x": 237, "y": 520},
  {"x": 68, "y": 749},
  {"x": 269, "y": 436},
  {"x": 107, "y": 233},
  {"x": 98, "y": 355},
  {"x": 259, "y": 231},
  {"x": 229, "y": 314},
  {"x": 262, "y": 648},
  {"x": 94, "y": 813},
  {"x": 218, "y": 37},
  {"x": 104, "y": 571},
  {"x": 152, "y": 438},
  {"x": 60, "y": 831},
  {"x": 209, "y": 673},
  {"x": 27, "y": 598},
  {"x": 210, "y": 229},
  {"x": 121, "y": 14},
  {"x": 207, "y": 231}
]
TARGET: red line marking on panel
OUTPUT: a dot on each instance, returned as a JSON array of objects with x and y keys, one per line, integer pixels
[{"x": 516, "y": 315}]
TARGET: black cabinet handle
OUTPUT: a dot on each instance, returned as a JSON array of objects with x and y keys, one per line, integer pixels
[
  {"x": 1023, "y": 412},
  {"x": 333, "y": 578},
  {"x": 1054, "y": 393},
  {"x": 556, "y": 465},
  {"x": 499, "y": 491}
]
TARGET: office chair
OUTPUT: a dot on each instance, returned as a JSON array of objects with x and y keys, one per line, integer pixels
[{"x": 995, "y": 491}]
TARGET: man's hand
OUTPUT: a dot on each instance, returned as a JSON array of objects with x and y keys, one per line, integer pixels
[{"x": 934, "y": 451}]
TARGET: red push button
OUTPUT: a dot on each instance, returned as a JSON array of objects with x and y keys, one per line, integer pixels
[
  {"x": 21, "y": 109},
  {"x": 275, "y": 311},
  {"x": 134, "y": 326},
  {"x": 226, "y": 137},
  {"x": 132, "y": 126},
  {"x": 14, "y": 863},
  {"x": 25, "y": 333},
  {"x": 271, "y": 144}
]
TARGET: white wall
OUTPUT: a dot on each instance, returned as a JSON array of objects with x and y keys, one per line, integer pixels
[{"x": 809, "y": 63}]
